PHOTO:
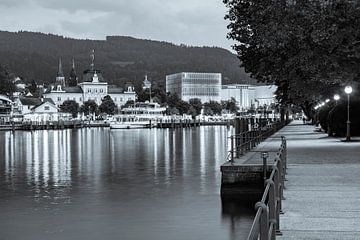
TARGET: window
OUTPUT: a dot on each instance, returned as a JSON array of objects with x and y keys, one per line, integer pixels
[
  {"x": 46, "y": 108},
  {"x": 59, "y": 98}
]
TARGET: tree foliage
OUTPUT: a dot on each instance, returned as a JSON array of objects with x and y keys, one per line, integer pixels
[
  {"x": 230, "y": 105},
  {"x": 196, "y": 104},
  {"x": 70, "y": 106},
  {"x": 89, "y": 107},
  {"x": 212, "y": 107},
  {"x": 107, "y": 105},
  {"x": 307, "y": 48}
]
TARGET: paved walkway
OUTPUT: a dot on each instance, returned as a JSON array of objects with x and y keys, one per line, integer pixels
[{"x": 323, "y": 188}]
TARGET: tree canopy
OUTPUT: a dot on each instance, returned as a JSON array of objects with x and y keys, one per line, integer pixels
[
  {"x": 107, "y": 105},
  {"x": 70, "y": 106},
  {"x": 307, "y": 48}
]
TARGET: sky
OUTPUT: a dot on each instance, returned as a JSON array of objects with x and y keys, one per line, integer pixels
[{"x": 190, "y": 22}]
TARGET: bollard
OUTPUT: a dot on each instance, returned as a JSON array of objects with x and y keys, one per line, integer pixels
[{"x": 264, "y": 156}]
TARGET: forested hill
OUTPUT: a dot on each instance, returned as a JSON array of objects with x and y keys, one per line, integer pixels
[{"x": 34, "y": 56}]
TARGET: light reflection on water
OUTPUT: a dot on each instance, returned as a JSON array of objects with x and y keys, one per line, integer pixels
[{"x": 116, "y": 184}]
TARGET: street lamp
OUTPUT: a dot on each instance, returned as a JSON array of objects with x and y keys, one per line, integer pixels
[
  {"x": 348, "y": 91},
  {"x": 327, "y": 100},
  {"x": 336, "y": 98}
]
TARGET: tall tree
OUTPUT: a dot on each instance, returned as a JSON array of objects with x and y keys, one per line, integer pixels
[
  {"x": 107, "y": 105},
  {"x": 307, "y": 48}
]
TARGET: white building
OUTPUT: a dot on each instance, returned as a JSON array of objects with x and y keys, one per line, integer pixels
[
  {"x": 249, "y": 96},
  {"x": 190, "y": 85},
  {"x": 93, "y": 87},
  {"x": 240, "y": 92}
]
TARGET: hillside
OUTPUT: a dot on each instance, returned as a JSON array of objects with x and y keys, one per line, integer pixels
[{"x": 34, "y": 56}]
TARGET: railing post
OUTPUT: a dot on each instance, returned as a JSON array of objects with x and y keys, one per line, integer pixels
[
  {"x": 272, "y": 207},
  {"x": 264, "y": 156},
  {"x": 277, "y": 197},
  {"x": 232, "y": 149},
  {"x": 264, "y": 220}
]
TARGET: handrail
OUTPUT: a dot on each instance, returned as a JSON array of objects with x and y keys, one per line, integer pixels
[
  {"x": 266, "y": 224},
  {"x": 245, "y": 141}
]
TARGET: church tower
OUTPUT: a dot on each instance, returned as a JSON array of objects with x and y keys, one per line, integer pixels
[
  {"x": 73, "y": 79},
  {"x": 60, "y": 79}
]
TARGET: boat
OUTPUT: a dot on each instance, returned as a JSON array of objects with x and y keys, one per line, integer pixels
[{"x": 138, "y": 115}]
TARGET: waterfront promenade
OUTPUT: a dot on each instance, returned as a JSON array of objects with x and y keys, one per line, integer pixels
[{"x": 323, "y": 188}]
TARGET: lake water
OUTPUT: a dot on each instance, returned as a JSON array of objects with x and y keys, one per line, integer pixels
[{"x": 117, "y": 184}]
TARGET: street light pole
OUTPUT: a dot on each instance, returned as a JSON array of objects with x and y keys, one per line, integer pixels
[{"x": 348, "y": 90}]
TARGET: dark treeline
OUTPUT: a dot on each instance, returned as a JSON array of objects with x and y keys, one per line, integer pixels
[{"x": 34, "y": 56}]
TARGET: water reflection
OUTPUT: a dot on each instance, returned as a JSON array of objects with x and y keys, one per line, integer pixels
[{"x": 139, "y": 183}]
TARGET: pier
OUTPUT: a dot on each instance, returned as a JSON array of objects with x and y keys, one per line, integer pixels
[{"x": 320, "y": 197}]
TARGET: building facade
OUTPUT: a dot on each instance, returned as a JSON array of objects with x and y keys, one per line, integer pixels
[
  {"x": 92, "y": 87},
  {"x": 249, "y": 96},
  {"x": 239, "y": 92},
  {"x": 190, "y": 85}
]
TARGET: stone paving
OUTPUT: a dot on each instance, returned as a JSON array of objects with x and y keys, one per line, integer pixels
[{"x": 323, "y": 188}]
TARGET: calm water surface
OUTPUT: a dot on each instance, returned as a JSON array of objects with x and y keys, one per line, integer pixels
[{"x": 116, "y": 184}]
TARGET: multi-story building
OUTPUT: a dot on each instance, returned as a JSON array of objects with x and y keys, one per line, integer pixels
[
  {"x": 239, "y": 92},
  {"x": 248, "y": 96},
  {"x": 93, "y": 87},
  {"x": 190, "y": 85}
]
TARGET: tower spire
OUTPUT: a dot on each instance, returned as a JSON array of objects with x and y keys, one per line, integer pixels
[
  {"x": 73, "y": 79},
  {"x": 60, "y": 71}
]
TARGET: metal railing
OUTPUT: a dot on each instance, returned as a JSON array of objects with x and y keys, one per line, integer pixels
[
  {"x": 245, "y": 141},
  {"x": 266, "y": 224}
]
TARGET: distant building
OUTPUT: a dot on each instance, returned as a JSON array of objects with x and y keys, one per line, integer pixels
[
  {"x": 189, "y": 85},
  {"x": 248, "y": 96},
  {"x": 239, "y": 92},
  {"x": 93, "y": 87}
]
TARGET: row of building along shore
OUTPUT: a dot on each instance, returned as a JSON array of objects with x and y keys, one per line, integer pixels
[{"x": 91, "y": 86}]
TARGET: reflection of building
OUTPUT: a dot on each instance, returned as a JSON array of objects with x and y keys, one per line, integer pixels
[
  {"x": 93, "y": 87},
  {"x": 189, "y": 85},
  {"x": 248, "y": 96}
]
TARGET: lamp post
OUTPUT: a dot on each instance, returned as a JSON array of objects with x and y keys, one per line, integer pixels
[
  {"x": 348, "y": 91},
  {"x": 336, "y": 98}
]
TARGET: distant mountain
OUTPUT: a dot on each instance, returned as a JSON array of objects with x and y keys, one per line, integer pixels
[{"x": 34, "y": 56}]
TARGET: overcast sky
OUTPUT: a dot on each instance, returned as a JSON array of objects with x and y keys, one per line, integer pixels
[{"x": 192, "y": 22}]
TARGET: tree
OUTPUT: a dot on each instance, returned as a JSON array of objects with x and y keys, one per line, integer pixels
[
  {"x": 89, "y": 107},
  {"x": 7, "y": 87},
  {"x": 196, "y": 104},
  {"x": 212, "y": 107},
  {"x": 172, "y": 100},
  {"x": 107, "y": 105},
  {"x": 230, "y": 105},
  {"x": 307, "y": 48},
  {"x": 183, "y": 107},
  {"x": 70, "y": 106}
]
